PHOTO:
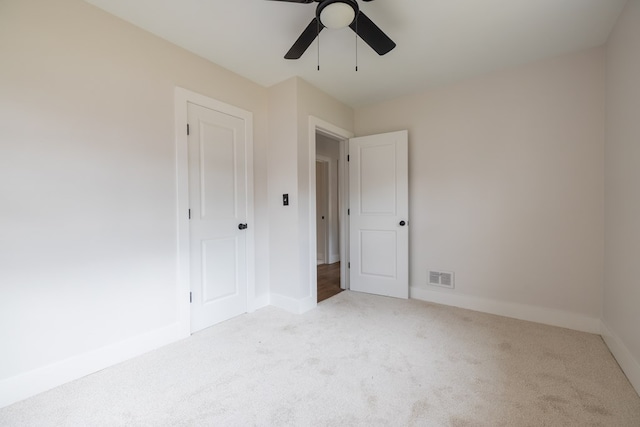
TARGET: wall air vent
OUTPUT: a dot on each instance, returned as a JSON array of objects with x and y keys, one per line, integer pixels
[{"x": 441, "y": 278}]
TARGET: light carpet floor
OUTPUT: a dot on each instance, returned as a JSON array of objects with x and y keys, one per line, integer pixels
[{"x": 356, "y": 360}]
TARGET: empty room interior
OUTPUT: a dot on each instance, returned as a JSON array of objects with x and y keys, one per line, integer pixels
[{"x": 322, "y": 212}]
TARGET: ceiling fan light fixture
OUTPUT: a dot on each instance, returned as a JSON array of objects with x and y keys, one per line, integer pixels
[{"x": 338, "y": 14}]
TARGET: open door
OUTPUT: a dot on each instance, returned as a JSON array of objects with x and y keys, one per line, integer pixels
[{"x": 379, "y": 217}]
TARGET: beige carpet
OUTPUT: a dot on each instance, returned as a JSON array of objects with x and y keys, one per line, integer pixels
[{"x": 357, "y": 360}]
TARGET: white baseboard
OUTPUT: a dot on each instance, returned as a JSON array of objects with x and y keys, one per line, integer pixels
[
  {"x": 306, "y": 304},
  {"x": 292, "y": 305},
  {"x": 286, "y": 303},
  {"x": 630, "y": 365},
  {"x": 547, "y": 316},
  {"x": 42, "y": 379},
  {"x": 333, "y": 258},
  {"x": 259, "y": 302}
]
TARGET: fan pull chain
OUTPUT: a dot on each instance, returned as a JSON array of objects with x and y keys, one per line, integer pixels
[{"x": 318, "y": 42}]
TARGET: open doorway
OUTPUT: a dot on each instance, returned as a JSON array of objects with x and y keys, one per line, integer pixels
[
  {"x": 327, "y": 217},
  {"x": 320, "y": 129}
]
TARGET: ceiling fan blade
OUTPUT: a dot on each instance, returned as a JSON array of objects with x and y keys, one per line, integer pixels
[
  {"x": 300, "y": 1},
  {"x": 371, "y": 34},
  {"x": 304, "y": 41}
]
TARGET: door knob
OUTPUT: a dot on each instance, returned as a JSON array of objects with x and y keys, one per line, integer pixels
[
  {"x": 402, "y": 223},
  {"x": 242, "y": 226}
]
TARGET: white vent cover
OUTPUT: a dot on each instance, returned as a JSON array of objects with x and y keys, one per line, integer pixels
[{"x": 441, "y": 278}]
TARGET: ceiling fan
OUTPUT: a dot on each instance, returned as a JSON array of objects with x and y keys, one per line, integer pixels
[{"x": 340, "y": 14}]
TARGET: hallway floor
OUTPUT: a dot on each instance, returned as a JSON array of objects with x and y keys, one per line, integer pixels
[{"x": 328, "y": 280}]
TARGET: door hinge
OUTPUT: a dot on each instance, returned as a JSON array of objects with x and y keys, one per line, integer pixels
[
  {"x": 348, "y": 211},
  {"x": 348, "y": 158},
  {"x": 348, "y": 265},
  {"x": 189, "y": 213},
  {"x": 190, "y": 297},
  {"x": 187, "y": 128}
]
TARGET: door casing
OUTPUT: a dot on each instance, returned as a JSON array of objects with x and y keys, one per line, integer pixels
[{"x": 317, "y": 125}]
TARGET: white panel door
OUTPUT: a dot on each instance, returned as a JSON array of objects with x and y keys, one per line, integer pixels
[
  {"x": 218, "y": 206},
  {"x": 379, "y": 219}
]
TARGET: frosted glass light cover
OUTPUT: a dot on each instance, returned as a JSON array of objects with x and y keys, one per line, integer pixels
[{"x": 337, "y": 15}]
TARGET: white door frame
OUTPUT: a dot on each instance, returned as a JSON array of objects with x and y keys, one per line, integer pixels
[
  {"x": 341, "y": 135},
  {"x": 182, "y": 98}
]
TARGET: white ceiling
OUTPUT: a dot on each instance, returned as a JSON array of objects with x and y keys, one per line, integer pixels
[{"x": 438, "y": 41}]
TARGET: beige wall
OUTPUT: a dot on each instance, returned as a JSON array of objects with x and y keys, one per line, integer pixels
[
  {"x": 290, "y": 229},
  {"x": 506, "y": 188},
  {"x": 327, "y": 147},
  {"x": 88, "y": 181},
  {"x": 621, "y": 309},
  {"x": 283, "y": 220}
]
